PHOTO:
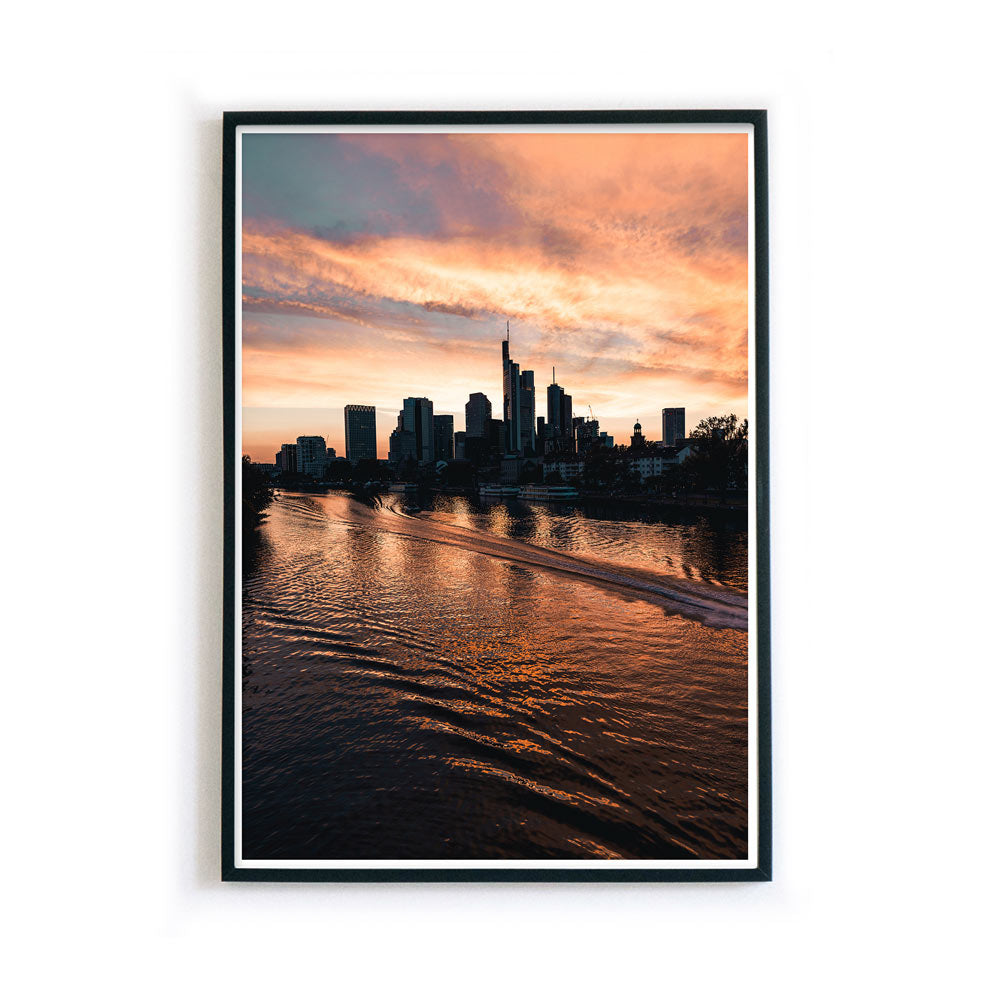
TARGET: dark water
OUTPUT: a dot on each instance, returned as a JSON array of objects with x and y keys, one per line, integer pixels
[{"x": 493, "y": 681}]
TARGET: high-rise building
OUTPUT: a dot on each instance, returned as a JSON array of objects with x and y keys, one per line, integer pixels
[
  {"x": 495, "y": 430},
  {"x": 460, "y": 445},
  {"x": 673, "y": 424},
  {"x": 554, "y": 409},
  {"x": 586, "y": 435},
  {"x": 402, "y": 445},
  {"x": 559, "y": 422},
  {"x": 359, "y": 432},
  {"x": 417, "y": 418},
  {"x": 478, "y": 411},
  {"x": 527, "y": 411},
  {"x": 511, "y": 399},
  {"x": 289, "y": 460},
  {"x": 311, "y": 456},
  {"x": 444, "y": 433},
  {"x": 331, "y": 454}
]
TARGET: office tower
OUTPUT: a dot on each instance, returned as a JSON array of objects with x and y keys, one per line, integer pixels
[
  {"x": 402, "y": 445},
  {"x": 359, "y": 432},
  {"x": 444, "y": 432},
  {"x": 527, "y": 411},
  {"x": 539, "y": 432},
  {"x": 511, "y": 398},
  {"x": 586, "y": 434},
  {"x": 277, "y": 460},
  {"x": 417, "y": 418},
  {"x": 311, "y": 456},
  {"x": 460, "y": 445},
  {"x": 554, "y": 409},
  {"x": 289, "y": 459},
  {"x": 331, "y": 454},
  {"x": 567, "y": 416},
  {"x": 495, "y": 430},
  {"x": 673, "y": 424},
  {"x": 478, "y": 410}
]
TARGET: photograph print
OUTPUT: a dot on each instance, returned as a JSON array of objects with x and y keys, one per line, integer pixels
[{"x": 496, "y": 497}]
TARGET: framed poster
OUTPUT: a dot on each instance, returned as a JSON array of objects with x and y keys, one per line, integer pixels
[{"x": 496, "y": 509}]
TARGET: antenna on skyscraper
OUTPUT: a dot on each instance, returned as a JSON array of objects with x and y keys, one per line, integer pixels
[
  {"x": 508, "y": 329},
  {"x": 553, "y": 374}
]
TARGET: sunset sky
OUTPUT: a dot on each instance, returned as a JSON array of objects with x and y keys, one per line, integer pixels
[{"x": 378, "y": 266}]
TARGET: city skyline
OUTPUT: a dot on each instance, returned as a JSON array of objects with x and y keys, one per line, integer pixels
[{"x": 381, "y": 267}]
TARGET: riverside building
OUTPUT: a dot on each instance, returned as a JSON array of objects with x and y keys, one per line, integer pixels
[
  {"x": 444, "y": 433},
  {"x": 417, "y": 418},
  {"x": 673, "y": 425},
  {"x": 311, "y": 456},
  {"x": 359, "y": 432},
  {"x": 478, "y": 413}
]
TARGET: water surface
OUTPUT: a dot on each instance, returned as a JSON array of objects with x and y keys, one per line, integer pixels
[{"x": 493, "y": 681}]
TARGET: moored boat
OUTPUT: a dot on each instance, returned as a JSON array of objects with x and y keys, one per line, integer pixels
[
  {"x": 495, "y": 490},
  {"x": 538, "y": 492}
]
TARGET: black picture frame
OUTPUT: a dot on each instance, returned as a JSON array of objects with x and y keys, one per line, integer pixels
[{"x": 757, "y": 120}]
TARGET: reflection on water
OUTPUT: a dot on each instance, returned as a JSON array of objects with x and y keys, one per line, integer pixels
[{"x": 479, "y": 682}]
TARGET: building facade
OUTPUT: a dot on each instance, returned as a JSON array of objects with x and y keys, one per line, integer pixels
[
  {"x": 288, "y": 459},
  {"x": 511, "y": 399},
  {"x": 444, "y": 435},
  {"x": 638, "y": 438},
  {"x": 359, "y": 432},
  {"x": 673, "y": 425},
  {"x": 478, "y": 413},
  {"x": 527, "y": 404},
  {"x": 417, "y": 418},
  {"x": 311, "y": 456},
  {"x": 402, "y": 446}
]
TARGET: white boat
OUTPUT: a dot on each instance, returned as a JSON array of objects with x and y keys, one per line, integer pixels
[
  {"x": 533, "y": 492},
  {"x": 496, "y": 490},
  {"x": 403, "y": 488}
]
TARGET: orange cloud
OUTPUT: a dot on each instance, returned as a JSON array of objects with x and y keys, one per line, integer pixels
[{"x": 621, "y": 259}]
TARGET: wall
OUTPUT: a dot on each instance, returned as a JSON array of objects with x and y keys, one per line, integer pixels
[{"x": 884, "y": 222}]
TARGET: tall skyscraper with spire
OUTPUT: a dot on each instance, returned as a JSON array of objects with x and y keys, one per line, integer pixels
[{"x": 511, "y": 399}]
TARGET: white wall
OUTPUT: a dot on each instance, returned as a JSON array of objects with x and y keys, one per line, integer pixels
[{"x": 884, "y": 256}]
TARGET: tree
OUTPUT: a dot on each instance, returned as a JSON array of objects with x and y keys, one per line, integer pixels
[
  {"x": 366, "y": 470},
  {"x": 257, "y": 494},
  {"x": 720, "y": 454},
  {"x": 606, "y": 467}
]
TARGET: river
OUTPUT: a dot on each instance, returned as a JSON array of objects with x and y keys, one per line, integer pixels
[{"x": 493, "y": 681}]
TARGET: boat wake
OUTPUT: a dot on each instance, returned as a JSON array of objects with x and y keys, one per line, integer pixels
[{"x": 710, "y": 604}]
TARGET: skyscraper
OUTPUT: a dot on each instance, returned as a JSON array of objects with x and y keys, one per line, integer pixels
[
  {"x": 559, "y": 418},
  {"x": 511, "y": 398},
  {"x": 586, "y": 435},
  {"x": 289, "y": 461},
  {"x": 311, "y": 456},
  {"x": 673, "y": 424},
  {"x": 527, "y": 411},
  {"x": 554, "y": 410},
  {"x": 359, "y": 432},
  {"x": 417, "y": 418},
  {"x": 478, "y": 413},
  {"x": 444, "y": 433},
  {"x": 402, "y": 444}
]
